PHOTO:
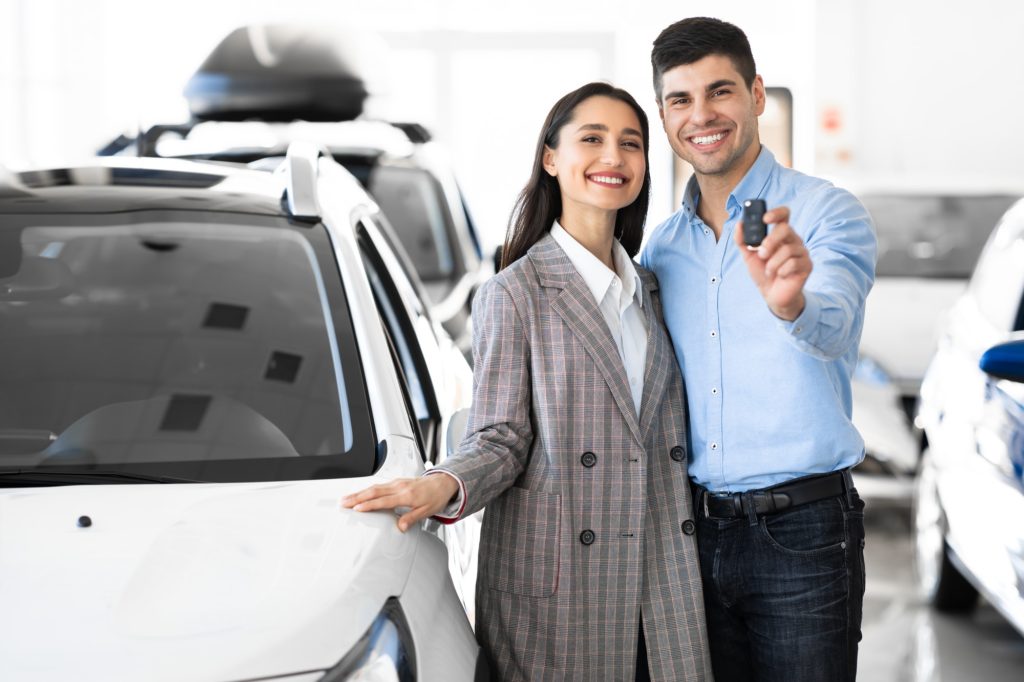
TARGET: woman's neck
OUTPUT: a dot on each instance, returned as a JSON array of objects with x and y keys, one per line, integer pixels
[{"x": 594, "y": 229}]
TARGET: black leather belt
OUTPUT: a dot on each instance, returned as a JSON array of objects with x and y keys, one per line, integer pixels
[{"x": 777, "y": 498}]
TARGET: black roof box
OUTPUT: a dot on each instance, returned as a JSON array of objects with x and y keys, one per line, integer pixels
[{"x": 278, "y": 73}]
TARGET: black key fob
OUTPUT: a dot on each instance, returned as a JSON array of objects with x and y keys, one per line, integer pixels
[{"x": 754, "y": 229}]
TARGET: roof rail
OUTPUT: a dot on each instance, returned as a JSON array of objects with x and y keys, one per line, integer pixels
[{"x": 301, "y": 168}]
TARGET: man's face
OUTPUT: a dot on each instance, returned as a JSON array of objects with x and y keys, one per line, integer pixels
[{"x": 710, "y": 116}]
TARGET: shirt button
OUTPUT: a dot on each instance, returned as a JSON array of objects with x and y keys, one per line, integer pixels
[
  {"x": 677, "y": 453},
  {"x": 689, "y": 527},
  {"x": 588, "y": 459},
  {"x": 714, "y": 279},
  {"x": 799, "y": 329},
  {"x": 707, "y": 231},
  {"x": 587, "y": 537},
  {"x": 714, "y": 391},
  {"x": 714, "y": 334},
  {"x": 714, "y": 446}
]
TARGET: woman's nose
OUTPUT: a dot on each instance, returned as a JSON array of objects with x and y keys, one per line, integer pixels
[{"x": 611, "y": 155}]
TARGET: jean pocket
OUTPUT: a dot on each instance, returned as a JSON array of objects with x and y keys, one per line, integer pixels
[
  {"x": 817, "y": 528},
  {"x": 520, "y": 547}
]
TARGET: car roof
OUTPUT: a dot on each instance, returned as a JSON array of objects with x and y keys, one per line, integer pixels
[{"x": 126, "y": 184}]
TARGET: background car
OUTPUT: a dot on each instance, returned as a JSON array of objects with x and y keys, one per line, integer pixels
[
  {"x": 263, "y": 88},
  {"x": 929, "y": 236},
  {"x": 969, "y": 500},
  {"x": 197, "y": 362}
]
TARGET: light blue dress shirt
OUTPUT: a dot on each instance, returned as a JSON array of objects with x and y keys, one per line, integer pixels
[{"x": 769, "y": 400}]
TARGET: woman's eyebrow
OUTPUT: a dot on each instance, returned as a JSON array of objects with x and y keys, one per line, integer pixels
[{"x": 603, "y": 128}]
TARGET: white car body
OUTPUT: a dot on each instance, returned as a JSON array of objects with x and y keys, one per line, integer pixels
[{"x": 259, "y": 580}]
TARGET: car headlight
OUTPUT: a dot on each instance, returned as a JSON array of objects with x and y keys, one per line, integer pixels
[
  {"x": 384, "y": 653},
  {"x": 870, "y": 372}
]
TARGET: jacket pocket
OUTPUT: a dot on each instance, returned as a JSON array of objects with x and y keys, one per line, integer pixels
[{"x": 519, "y": 543}]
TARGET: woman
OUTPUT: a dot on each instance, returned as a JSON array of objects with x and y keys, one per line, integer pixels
[{"x": 577, "y": 439}]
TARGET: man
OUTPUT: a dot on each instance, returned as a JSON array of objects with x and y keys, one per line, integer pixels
[{"x": 767, "y": 339}]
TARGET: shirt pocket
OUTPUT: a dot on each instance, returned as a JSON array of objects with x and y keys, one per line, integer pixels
[{"x": 520, "y": 549}]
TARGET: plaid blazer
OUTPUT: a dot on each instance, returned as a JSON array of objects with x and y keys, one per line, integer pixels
[{"x": 589, "y": 517}]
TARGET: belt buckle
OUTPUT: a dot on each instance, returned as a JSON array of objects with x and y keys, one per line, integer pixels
[{"x": 707, "y": 514}]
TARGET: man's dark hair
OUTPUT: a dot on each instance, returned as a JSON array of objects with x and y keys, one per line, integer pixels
[{"x": 690, "y": 40}]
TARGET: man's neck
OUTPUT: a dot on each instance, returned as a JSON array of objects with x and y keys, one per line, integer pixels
[{"x": 715, "y": 189}]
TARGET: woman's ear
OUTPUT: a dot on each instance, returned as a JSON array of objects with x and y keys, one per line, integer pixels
[{"x": 549, "y": 161}]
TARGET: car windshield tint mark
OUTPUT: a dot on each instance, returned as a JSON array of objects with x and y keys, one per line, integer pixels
[
  {"x": 932, "y": 235},
  {"x": 166, "y": 342}
]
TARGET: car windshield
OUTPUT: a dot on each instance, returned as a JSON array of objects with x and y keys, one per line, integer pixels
[
  {"x": 414, "y": 204},
  {"x": 937, "y": 236},
  {"x": 209, "y": 347}
]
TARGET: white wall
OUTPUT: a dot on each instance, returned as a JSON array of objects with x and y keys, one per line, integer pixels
[{"x": 910, "y": 86}]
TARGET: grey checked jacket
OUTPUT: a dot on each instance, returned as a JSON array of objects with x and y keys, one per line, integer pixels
[{"x": 589, "y": 517}]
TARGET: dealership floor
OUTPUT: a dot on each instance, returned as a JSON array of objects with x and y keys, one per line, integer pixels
[{"x": 904, "y": 641}]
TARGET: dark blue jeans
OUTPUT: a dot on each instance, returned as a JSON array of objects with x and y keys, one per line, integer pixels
[{"x": 784, "y": 592}]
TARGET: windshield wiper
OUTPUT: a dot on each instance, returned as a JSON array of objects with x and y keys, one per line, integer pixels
[{"x": 16, "y": 478}]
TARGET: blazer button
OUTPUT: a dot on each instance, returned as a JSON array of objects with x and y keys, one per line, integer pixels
[
  {"x": 689, "y": 526},
  {"x": 677, "y": 453},
  {"x": 588, "y": 459},
  {"x": 587, "y": 537}
]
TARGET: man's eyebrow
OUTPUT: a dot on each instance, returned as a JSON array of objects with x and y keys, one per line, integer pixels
[
  {"x": 713, "y": 86},
  {"x": 603, "y": 128}
]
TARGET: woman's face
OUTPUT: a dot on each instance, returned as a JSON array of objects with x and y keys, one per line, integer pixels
[{"x": 599, "y": 161}]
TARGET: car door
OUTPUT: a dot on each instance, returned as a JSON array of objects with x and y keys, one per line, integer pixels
[
  {"x": 973, "y": 415},
  {"x": 429, "y": 370}
]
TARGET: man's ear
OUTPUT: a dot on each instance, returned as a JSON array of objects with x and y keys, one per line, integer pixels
[
  {"x": 759, "y": 95},
  {"x": 549, "y": 161}
]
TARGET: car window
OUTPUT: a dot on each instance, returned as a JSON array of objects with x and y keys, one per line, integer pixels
[
  {"x": 191, "y": 344},
  {"x": 998, "y": 281},
  {"x": 932, "y": 235},
  {"x": 414, "y": 204},
  {"x": 407, "y": 325}
]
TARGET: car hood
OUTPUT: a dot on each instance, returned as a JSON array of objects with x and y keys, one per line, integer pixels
[{"x": 190, "y": 581}]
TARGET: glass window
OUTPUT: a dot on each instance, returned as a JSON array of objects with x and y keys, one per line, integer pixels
[
  {"x": 192, "y": 347},
  {"x": 414, "y": 204},
  {"x": 932, "y": 235}
]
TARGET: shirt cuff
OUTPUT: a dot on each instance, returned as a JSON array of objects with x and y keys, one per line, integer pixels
[
  {"x": 453, "y": 512},
  {"x": 804, "y": 326}
]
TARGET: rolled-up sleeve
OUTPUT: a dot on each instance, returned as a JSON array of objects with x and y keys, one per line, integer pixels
[{"x": 841, "y": 241}]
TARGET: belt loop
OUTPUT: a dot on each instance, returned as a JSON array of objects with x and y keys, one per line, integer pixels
[
  {"x": 748, "y": 501},
  {"x": 848, "y": 485}
]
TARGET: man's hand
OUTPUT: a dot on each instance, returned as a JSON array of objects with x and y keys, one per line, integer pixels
[
  {"x": 780, "y": 266},
  {"x": 423, "y": 496}
]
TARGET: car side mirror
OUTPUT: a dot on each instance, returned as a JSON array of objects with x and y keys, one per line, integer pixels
[
  {"x": 1005, "y": 361},
  {"x": 457, "y": 430}
]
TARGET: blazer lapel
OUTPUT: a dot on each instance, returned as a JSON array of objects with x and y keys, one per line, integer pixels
[
  {"x": 576, "y": 306},
  {"x": 660, "y": 356}
]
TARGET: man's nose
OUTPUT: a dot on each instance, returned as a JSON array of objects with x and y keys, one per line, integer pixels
[{"x": 702, "y": 112}]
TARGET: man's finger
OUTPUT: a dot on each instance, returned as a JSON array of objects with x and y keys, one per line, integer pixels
[{"x": 779, "y": 214}]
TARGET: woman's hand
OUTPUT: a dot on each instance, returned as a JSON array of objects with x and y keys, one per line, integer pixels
[{"x": 423, "y": 496}]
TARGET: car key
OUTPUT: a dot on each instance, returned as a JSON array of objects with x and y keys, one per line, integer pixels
[{"x": 754, "y": 229}]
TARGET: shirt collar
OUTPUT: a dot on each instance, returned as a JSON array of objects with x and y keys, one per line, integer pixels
[
  {"x": 596, "y": 274},
  {"x": 751, "y": 186}
]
